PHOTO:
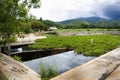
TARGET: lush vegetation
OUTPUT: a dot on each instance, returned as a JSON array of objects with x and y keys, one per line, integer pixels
[
  {"x": 89, "y": 45},
  {"x": 33, "y": 26},
  {"x": 13, "y": 13},
  {"x": 98, "y": 24}
]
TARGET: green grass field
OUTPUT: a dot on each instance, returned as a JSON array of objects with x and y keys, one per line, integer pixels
[
  {"x": 78, "y": 30},
  {"x": 89, "y": 45}
]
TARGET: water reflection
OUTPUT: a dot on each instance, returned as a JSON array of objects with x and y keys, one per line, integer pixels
[{"x": 63, "y": 62}]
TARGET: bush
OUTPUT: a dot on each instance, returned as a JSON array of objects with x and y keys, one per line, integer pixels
[{"x": 28, "y": 30}]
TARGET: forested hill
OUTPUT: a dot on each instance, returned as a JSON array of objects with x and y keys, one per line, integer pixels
[
  {"x": 91, "y": 22},
  {"x": 88, "y": 19}
]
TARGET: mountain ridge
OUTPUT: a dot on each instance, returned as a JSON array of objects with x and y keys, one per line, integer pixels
[{"x": 88, "y": 19}]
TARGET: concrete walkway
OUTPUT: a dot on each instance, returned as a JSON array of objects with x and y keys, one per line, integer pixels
[
  {"x": 29, "y": 39},
  {"x": 106, "y": 67}
]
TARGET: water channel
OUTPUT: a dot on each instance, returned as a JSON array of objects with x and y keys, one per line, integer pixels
[{"x": 62, "y": 62}]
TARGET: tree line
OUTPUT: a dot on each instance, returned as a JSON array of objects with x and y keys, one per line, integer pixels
[{"x": 98, "y": 24}]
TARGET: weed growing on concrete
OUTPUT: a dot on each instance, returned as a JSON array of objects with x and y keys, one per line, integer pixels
[
  {"x": 47, "y": 72},
  {"x": 18, "y": 58}
]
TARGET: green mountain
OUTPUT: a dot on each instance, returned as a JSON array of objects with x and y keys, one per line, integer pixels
[
  {"x": 91, "y": 22},
  {"x": 88, "y": 19}
]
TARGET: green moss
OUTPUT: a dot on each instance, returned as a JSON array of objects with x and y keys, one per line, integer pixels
[{"x": 2, "y": 76}]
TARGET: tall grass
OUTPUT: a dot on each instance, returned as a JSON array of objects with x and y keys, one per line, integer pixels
[{"x": 47, "y": 73}]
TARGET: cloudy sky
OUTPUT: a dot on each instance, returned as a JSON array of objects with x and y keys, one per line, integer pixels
[{"x": 58, "y": 10}]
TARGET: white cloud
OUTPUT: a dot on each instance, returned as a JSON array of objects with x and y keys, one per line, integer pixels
[{"x": 58, "y": 10}]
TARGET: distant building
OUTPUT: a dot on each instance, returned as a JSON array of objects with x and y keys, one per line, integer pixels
[{"x": 52, "y": 28}]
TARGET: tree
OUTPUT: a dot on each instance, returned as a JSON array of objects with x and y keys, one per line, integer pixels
[
  {"x": 38, "y": 26},
  {"x": 12, "y": 13},
  {"x": 41, "y": 19},
  {"x": 49, "y": 23}
]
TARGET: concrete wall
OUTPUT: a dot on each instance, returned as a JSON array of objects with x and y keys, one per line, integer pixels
[
  {"x": 106, "y": 67},
  {"x": 14, "y": 70}
]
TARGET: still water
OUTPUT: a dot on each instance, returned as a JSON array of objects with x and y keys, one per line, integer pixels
[{"x": 62, "y": 62}]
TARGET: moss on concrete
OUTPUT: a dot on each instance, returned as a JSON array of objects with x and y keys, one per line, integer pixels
[
  {"x": 2, "y": 76},
  {"x": 0, "y": 55}
]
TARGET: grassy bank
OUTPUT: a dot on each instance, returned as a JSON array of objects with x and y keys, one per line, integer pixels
[{"x": 92, "y": 45}]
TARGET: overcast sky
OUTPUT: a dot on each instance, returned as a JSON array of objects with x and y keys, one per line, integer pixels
[{"x": 58, "y": 10}]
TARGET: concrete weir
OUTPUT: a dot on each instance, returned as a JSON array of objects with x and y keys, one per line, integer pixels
[
  {"x": 11, "y": 69},
  {"x": 105, "y": 67}
]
